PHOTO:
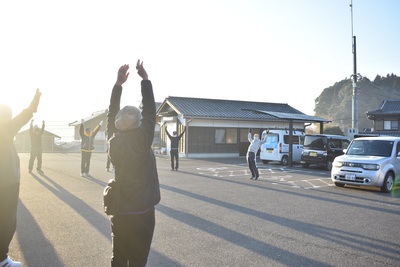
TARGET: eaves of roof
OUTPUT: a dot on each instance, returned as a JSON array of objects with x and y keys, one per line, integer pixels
[
  {"x": 222, "y": 109},
  {"x": 387, "y": 108}
]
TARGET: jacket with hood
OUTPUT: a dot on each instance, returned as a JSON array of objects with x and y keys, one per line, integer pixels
[{"x": 132, "y": 155}]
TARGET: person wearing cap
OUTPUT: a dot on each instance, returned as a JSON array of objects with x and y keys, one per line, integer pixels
[
  {"x": 252, "y": 150},
  {"x": 130, "y": 150},
  {"x": 36, "y": 146},
  {"x": 174, "y": 152},
  {"x": 10, "y": 175},
  {"x": 87, "y": 146}
]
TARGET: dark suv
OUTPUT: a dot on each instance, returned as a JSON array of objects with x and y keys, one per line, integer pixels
[{"x": 322, "y": 149}]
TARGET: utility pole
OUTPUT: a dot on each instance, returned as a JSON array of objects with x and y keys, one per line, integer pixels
[
  {"x": 354, "y": 113},
  {"x": 355, "y": 76}
]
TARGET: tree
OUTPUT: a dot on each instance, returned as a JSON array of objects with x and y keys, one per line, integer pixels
[{"x": 333, "y": 130}]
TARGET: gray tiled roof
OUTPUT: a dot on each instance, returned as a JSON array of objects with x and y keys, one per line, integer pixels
[
  {"x": 387, "y": 107},
  {"x": 224, "y": 109}
]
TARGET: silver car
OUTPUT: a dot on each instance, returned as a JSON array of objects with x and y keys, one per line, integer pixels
[{"x": 369, "y": 161}]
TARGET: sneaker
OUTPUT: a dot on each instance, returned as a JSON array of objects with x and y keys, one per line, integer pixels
[
  {"x": 82, "y": 174},
  {"x": 252, "y": 178},
  {"x": 10, "y": 263},
  {"x": 107, "y": 169},
  {"x": 87, "y": 175},
  {"x": 172, "y": 169},
  {"x": 256, "y": 178}
]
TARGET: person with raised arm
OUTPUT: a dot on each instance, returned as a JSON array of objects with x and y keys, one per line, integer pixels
[
  {"x": 10, "y": 174},
  {"x": 130, "y": 151}
]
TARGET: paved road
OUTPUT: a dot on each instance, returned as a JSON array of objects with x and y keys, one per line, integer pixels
[{"x": 211, "y": 214}]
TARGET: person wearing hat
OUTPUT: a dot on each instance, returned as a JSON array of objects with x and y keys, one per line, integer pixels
[
  {"x": 87, "y": 146},
  {"x": 174, "y": 152},
  {"x": 130, "y": 150},
  {"x": 10, "y": 175},
  {"x": 36, "y": 146}
]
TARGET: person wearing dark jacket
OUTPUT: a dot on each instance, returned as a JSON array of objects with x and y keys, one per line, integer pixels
[
  {"x": 87, "y": 146},
  {"x": 130, "y": 150},
  {"x": 10, "y": 174},
  {"x": 174, "y": 152},
  {"x": 36, "y": 146}
]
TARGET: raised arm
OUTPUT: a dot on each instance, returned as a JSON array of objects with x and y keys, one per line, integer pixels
[
  {"x": 149, "y": 104},
  {"x": 115, "y": 99},
  {"x": 249, "y": 136},
  {"x": 31, "y": 127},
  {"x": 182, "y": 133},
  {"x": 81, "y": 129},
  {"x": 42, "y": 130},
  {"x": 21, "y": 119}
]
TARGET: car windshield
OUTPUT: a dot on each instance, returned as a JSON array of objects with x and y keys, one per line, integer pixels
[{"x": 380, "y": 148}]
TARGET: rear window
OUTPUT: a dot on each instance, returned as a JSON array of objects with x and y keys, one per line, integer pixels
[
  {"x": 380, "y": 148},
  {"x": 272, "y": 140},
  {"x": 338, "y": 143},
  {"x": 295, "y": 139},
  {"x": 314, "y": 142}
]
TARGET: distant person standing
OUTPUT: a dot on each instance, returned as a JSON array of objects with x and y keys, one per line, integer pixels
[
  {"x": 254, "y": 146},
  {"x": 108, "y": 163},
  {"x": 87, "y": 146},
  {"x": 10, "y": 175},
  {"x": 174, "y": 152},
  {"x": 36, "y": 146}
]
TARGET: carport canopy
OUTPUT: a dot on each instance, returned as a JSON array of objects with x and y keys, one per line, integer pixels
[{"x": 293, "y": 117}]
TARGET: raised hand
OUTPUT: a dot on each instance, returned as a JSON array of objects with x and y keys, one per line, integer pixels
[
  {"x": 123, "y": 74},
  {"x": 141, "y": 71},
  {"x": 35, "y": 101}
]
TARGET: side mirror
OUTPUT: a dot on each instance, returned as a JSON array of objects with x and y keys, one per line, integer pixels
[{"x": 344, "y": 151}]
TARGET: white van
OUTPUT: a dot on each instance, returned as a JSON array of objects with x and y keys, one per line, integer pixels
[{"x": 276, "y": 148}]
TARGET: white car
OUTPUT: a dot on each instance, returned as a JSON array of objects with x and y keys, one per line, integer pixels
[{"x": 369, "y": 161}]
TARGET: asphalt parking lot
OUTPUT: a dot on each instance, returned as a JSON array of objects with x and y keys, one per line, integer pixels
[{"x": 211, "y": 214}]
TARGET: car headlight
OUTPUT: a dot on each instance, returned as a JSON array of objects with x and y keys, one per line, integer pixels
[
  {"x": 337, "y": 164},
  {"x": 370, "y": 166}
]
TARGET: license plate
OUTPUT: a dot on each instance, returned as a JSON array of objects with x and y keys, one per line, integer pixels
[
  {"x": 269, "y": 151},
  {"x": 350, "y": 177},
  {"x": 313, "y": 154}
]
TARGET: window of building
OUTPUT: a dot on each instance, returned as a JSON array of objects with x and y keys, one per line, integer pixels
[
  {"x": 226, "y": 136},
  {"x": 391, "y": 125}
]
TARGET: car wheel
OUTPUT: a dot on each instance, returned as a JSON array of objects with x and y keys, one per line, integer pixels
[
  {"x": 328, "y": 165},
  {"x": 339, "y": 184},
  {"x": 305, "y": 165},
  {"x": 265, "y": 161},
  {"x": 388, "y": 183},
  {"x": 284, "y": 160}
]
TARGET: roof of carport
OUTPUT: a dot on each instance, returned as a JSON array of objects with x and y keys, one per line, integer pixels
[{"x": 292, "y": 116}]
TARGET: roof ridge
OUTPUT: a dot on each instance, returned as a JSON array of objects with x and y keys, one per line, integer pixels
[{"x": 230, "y": 100}]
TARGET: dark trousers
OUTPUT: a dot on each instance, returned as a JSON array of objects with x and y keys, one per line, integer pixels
[
  {"x": 85, "y": 162},
  {"x": 35, "y": 154},
  {"x": 251, "y": 160},
  {"x": 174, "y": 156},
  {"x": 8, "y": 216},
  {"x": 131, "y": 239}
]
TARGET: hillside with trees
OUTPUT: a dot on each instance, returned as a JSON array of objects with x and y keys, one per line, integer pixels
[{"x": 335, "y": 102}]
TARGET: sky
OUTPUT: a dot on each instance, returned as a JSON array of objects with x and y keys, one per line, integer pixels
[{"x": 285, "y": 51}]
